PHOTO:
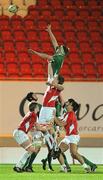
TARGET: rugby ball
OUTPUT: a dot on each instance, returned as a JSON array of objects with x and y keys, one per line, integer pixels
[{"x": 13, "y": 8}]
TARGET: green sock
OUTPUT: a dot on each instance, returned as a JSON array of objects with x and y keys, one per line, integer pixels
[
  {"x": 65, "y": 161},
  {"x": 87, "y": 161},
  {"x": 30, "y": 160}
]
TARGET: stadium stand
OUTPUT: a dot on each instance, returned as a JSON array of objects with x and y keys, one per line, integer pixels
[{"x": 79, "y": 24}]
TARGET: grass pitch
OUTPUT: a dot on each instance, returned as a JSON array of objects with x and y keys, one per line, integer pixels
[{"x": 7, "y": 173}]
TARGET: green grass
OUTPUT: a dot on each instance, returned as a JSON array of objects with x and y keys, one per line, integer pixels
[{"x": 7, "y": 173}]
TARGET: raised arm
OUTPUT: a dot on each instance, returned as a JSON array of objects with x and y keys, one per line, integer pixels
[
  {"x": 52, "y": 37},
  {"x": 42, "y": 55}
]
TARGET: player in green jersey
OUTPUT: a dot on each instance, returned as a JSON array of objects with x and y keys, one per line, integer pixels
[{"x": 57, "y": 59}]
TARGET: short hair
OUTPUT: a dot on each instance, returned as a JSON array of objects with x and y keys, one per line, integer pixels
[
  {"x": 60, "y": 79},
  {"x": 32, "y": 106},
  {"x": 30, "y": 97},
  {"x": 74, "y": 104},
  {"x": 66, "y": 50}
]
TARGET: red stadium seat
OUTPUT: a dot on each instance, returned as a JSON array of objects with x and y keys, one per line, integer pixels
[
  {"x": 34, "y": 45},
  {"x": 21, "y": 46},
  {"x": 95, "y": 36},
  {"x": 99, "y": 57},
  {"x": 44, "y": 36},
  {"x": 4, "y": 24},
  {"x": 12, "y": 70},
  {"x": 98, "y": 47},
  {"x": 30, "y": 24},
  {"x": 9, "y": 46},
  {"x": 100, "y": 70},
  {"x": 80, "y": 25},
  {"x": 93, "y": 25},
  {"x": 84, "y": 13},
  {"x": 17, "y": 22},
  {"x": 77, "y": 70},
  {"x": 32, "y": 35},
  {"x": 2, "y": 70},
  {"x": 26, "y": 70},
  {"x": 39, "y": 70},
  {"x": 73, "y": 46},
  {"x": 42, "y": 24},
  {"x": 19, "y": 35},
  {"x": 10, "y": 57},
  {"x": 36, "y": 59},
  {"x": 87, "y": 57},
  {"x": 75, "y": 58},
  {"x": 82, "y": 36},
  {"x": 68, "y": 25},
  {"x": 6, "y": 35},
  {"x": 66, "y": 71},
  {"x": 46, "y": 47},
  {"x": 85, "y": 47},
  {"x": 55, "y": 24},
  {"x": 24, "y": 57},
  {"x": 71, "y": 12},
  {"x": 90, "y": 70},
  {"x": 70, "y": 35}
]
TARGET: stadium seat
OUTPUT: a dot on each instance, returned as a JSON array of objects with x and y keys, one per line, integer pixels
[
  {"x": 2, "y": 70},
  {"x": 90, "y": 70},
  {"x": 4, "y": 24},
  {"x": 30, "y": 24},
  {"x": 26, "y": 70},
  {"x": 85, "y": 47},
  {"x": 73, "y": 46},
  {"x": 19, "y": 35},
  {"x": 10, "y": 57},
  {"x": 70, "y": 35},
  {"x": 77, "y": 70},
  {"x": 84, "y": 13},
  {"x": 36, "y": 59},
  {"x": 46, "y": 47},
  {"x": 95, "y": 36},
  {"x": 21, "y": 46},
  {"x": 75, "y": 57},
  {"x": 99, "y": 57},
  {"x": 17, "y": 22},
  {"x": 39, "y": 70},
  {"x": 100, "y": 70},
  {"x": 80, "y": 25},
  {"x": 82, "y": 36},
  {"x": 9, "y": 45},
  {"x": 42, "y": 24},
  {"x": 24, "y": 57},
  {"x": 68, "y": 25},
  {"x": 88, "y": 57},
  {"x": 44, "y": 36},
  {"x": 12, "y": 70},
  {"x": 98, "y": 47},
  {"x": 32, "y": 35},
  {"x": 6, "y": 35},
  {"x": 66, "y": 71},
  {"x": 93, "y": 25},
  {"x": 34, "y": 45}
]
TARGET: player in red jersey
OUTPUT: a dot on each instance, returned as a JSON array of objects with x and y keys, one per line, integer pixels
[
  {"x": 28, "y": 123},
  {"x": 53, "y": 91},
  {"x": 72, "y": 136}
]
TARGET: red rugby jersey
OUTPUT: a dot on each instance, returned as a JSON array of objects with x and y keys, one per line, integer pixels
[
  {"x": 72, "y": 124},
  {"x": 50, "y": 97},
  {"x": 28, "y": 122}
]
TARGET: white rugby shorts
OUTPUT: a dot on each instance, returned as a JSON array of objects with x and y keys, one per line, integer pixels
[
  {"x": 20, "y": 136},
  {"x": 46, "y": 115},
  {"x": 71, "y": 139}
]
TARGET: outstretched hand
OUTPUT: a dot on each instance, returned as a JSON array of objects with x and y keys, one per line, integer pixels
[
  {"x": 31, "y": 51},
  {"x": 48, "y": 27}
]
